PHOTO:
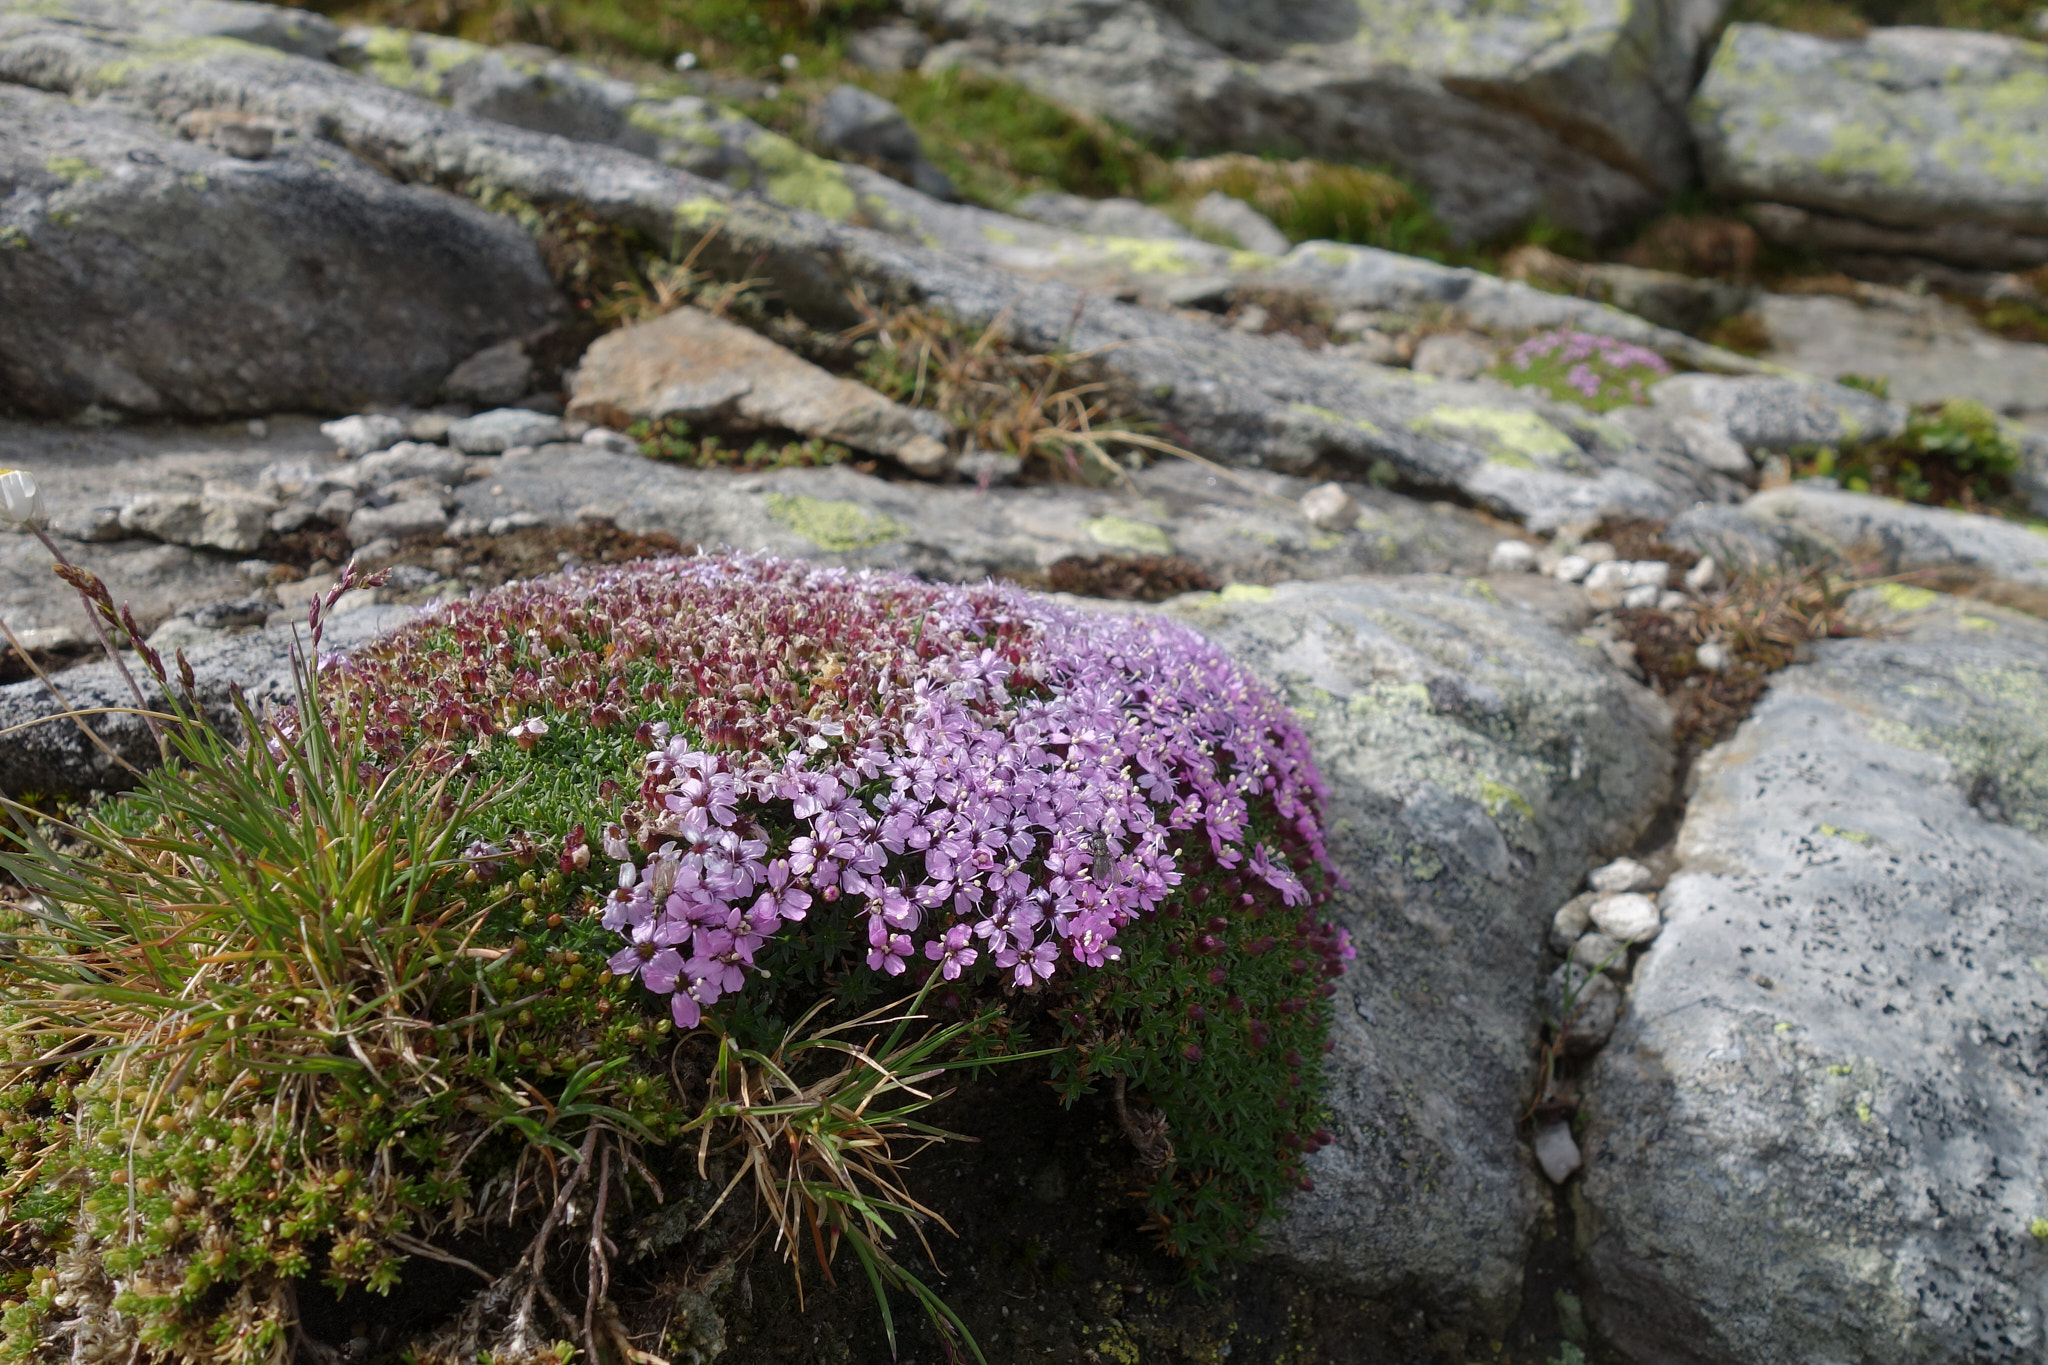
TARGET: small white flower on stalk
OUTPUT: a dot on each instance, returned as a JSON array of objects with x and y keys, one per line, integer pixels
[{"x": 19, "y": 501}]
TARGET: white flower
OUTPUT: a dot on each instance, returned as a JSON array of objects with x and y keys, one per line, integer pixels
[
  {"x": 19, "y": 501},
  {"x": 685, "y": 60}
]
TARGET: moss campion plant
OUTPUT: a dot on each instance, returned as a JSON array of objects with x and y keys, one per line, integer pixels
[
  {"x": 558, "y": 894},
  {"x": 1577, "y": 367}
]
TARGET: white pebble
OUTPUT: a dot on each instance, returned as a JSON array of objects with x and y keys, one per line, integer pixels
[
  {"x": 1650, "y": 573},
  {"x": 1557, "y": 1152},
  {"x": 1598, "y": 552},
  {"x": 1703, "y": 576},
  {"x": 1714, "y": 656},
  {"x": 1623, "y": 874},
  {"x": 1571, "y": 568},
  {"x": 1329, "y": 507},
  {"x": 1512, "y": 556},
  {"x": 1641, "y": 599},
  {"x": 1606, "y": 585},
  {"x": 1670, "y": 601},
  {"x": 1630, "y": 918}
]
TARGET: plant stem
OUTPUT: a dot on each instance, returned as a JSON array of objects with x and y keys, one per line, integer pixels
[{"x": 106, "y": 641}]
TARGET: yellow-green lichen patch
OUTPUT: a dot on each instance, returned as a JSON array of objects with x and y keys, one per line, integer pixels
[
  {"x": 71, "y": 169},
  {"x": 1905, "y": 597},
  {"x": 12, "y": 238},
  {"x": 1334, "y": 418},
  {"x": 797, "y": 179},
  {"x": 1245, "y": 592},
  {"x": 833, "y": 525},
  {"x": 416, "y": 62},
  {"x": 1854, "y": 836},
  {"x": 1498, "y": 796},
  {"x": 1512, "y": 437},
  {"x": 1149, "y": 255},
  {"x": 1122, "y": 533}
]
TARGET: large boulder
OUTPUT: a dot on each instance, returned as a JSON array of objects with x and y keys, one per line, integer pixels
[
  {"x": 1910, "y": 128},
  {"x": 1568, "y": 110},
  {"x": 1820, "y": 1132},
  {"x": 148, "y": 275},
  {"x": 1479, "y": 763}
]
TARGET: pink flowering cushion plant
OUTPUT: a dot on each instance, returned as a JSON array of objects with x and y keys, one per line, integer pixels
[
  {"x": 1595, "y": 372},
  {"x": 745, "y": 785}
]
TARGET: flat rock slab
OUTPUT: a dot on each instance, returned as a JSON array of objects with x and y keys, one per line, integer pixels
[
  {"x": 1242, "y": 399},
  {"x": 1820, "y": 1132},
  {"x": 1927, "y": 347},
  {"x": 51, "y": 757},
  {"x": 1479, "y": 763},
  {"x": 1987, "y": 557},
  {"x": 146, "y": 275},
  {"x": 1905, "y": 127},
  {"x": 1570, "y": 110},
  {"x": 960, "y": 533}
]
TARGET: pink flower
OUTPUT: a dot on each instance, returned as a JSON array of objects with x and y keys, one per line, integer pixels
[{"x": 953, "y": 952}]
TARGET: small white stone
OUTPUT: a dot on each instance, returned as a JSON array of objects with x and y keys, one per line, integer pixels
[
  {"x": 1598, "y": 552},
  {"x": 1714, "y": 656},
  {"x": 1571, "y": 568},
  {"x": 1606, "y": 585},
  {"x": 363, "y": 434},
  {"x": 1670, "y": 601},
  {"x": 1512, "y": 556},
  {"x": 1703, "y": 576},
  {"x": 1641, "y": 599},
  {"x": 1328, "y": 507},
  {"x": 1557, "y": 1152},
  {"x": 617, "y": 442},
  {"x": 258, "y": 428},
  {"x": 1623, "y": 874},
  {"x": 1649, "y": 573},
  {"x": 1630, "y": 918},
  {"x": 1571, "y": 922}
]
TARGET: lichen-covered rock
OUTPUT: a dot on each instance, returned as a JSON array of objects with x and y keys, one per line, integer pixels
[
  {"x": 1907, "y": 127},
  {"x": 147, "y": 275},
  {"x": 541, "y": 90},
  {"x": 1241, "y": 398},
  {"x": 1501, "y": 112},
  {"x": 1818, "y": 1133},
  {"x": 1990, "y": 558},
  {"x": 1479, "y": 763},
  {"x": 1764, "y": 413}
]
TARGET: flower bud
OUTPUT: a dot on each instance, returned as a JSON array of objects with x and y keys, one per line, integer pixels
[{"x": 19, "y": 501}]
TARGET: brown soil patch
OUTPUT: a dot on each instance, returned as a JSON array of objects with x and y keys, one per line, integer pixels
[{"x": 1133, "y": 578}]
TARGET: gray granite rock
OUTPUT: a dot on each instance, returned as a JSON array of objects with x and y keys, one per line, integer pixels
[
  {"x": 1987, "y": 557},
  {"x": 862, "y": 126},
  {"x": 52, "y": 757},
  {"x": 1820, "y": 1132},
  {"x": 1904, "y": 127},
  {"x": 1244, "y": 399},
  {"x": 144, "y": 274},
  {"x": 1501, "y": 112},
  {"x": 1479, "y": 763},
  {"x": 1763, "y": 413},
  {"x": 490, "y": 433},
  {"x": 1240, "y": 223},
  {"x": 1927, "y": 347},
  {"x": 1114, "y": 217},
  {"x": 218, "y": 517}
]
